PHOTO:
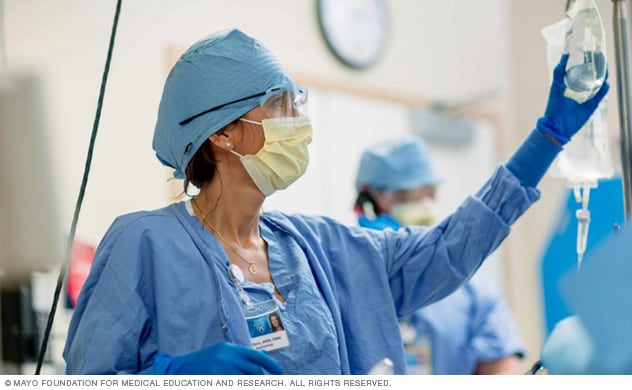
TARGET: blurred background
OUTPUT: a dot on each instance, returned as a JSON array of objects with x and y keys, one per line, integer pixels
[{"x": 471, "y": 77}]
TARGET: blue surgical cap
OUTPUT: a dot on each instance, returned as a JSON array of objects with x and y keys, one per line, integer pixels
[
  {"x": 223, "y": 67},
  {"x": 401, "y": 165}
]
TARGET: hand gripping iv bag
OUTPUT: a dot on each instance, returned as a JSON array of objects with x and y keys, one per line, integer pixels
[{"x": 586, "y": 158}]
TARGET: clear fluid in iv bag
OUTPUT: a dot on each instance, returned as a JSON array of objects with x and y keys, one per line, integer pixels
[
  {"x": 584, "y": 80},
  {"x": 585, "y": 44}
]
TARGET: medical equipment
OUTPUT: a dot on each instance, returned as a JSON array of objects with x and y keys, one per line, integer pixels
[
  {"x": 585, "y": 159},
  {"x": 30, "y": 234},
  {"x": 586, "y": 46}
]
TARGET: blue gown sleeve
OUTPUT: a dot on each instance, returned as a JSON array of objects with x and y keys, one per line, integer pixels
[
  {"x": 425, "y": 265},
  {"x": 110, "y": 315}
]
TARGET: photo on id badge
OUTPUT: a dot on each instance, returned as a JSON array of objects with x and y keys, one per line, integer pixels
[{"x": 265, "y": 325}]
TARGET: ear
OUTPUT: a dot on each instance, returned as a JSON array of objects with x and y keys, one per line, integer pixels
[{"x": 223, "y": 140}]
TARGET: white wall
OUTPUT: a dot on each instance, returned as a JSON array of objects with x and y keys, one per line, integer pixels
[{"x": 445, "y": 50}]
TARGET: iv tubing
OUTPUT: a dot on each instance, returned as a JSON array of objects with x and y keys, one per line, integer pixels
[{"x": 84, "y": 183}]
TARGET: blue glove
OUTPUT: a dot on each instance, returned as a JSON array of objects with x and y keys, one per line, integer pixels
[
  {"x": 382, "y": 222},
  {"x": 218, "y": 359},
  {"x": 569, "y": 349},
  {"x": 563, "y": 116}
]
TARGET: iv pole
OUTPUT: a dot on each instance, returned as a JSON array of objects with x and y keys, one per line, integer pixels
[{"x": 624, "y": 88}]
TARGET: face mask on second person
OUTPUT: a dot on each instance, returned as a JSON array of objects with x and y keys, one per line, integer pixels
[{"x": 421, "y": 212}]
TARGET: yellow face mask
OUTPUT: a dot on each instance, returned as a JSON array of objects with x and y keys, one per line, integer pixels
[
  {"x": 420, "y": 213},
  {"x": 284, "y": 156}
]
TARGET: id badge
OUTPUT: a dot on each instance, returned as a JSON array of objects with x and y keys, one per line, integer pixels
[{"x": 265, "y": 325}]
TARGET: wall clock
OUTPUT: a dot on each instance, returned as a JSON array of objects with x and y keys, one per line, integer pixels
[{"x": 354, "y": 30}]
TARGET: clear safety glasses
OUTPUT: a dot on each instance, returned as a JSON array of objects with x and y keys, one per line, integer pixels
[
  {"x": 417, "y": 194},
  {"x": 282, "y": 100}
]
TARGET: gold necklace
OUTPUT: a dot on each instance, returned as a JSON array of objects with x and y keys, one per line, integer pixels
[{"x": 252, "y": 267}]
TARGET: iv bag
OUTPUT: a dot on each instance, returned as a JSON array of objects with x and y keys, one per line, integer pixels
[
  {"x": 586, "y": 158},
  {"x": 586, "y": 46}
]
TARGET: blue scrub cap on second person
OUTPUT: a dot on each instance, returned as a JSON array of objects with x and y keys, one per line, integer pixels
[
  {"x": 403, "y": 165},
  {"x": 223, "y": 67}
]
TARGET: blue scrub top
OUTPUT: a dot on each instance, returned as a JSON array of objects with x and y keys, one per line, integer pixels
[
  {"x": 160, "y": 284},
  {"x": 471, "y": 325}
]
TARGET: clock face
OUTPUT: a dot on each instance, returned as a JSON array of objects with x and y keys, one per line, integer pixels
[{"x": 354, "y": 30}]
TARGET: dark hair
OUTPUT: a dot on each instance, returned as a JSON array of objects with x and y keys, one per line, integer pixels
[
  {"x": 363, "y": 200},
  {"x": 201, "y": 168}
]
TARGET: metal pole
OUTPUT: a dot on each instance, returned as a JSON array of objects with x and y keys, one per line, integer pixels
[{"x": 624, "y": 89}]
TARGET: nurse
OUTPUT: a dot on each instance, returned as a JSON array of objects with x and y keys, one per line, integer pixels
[{"x": 187, "y": 289}]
